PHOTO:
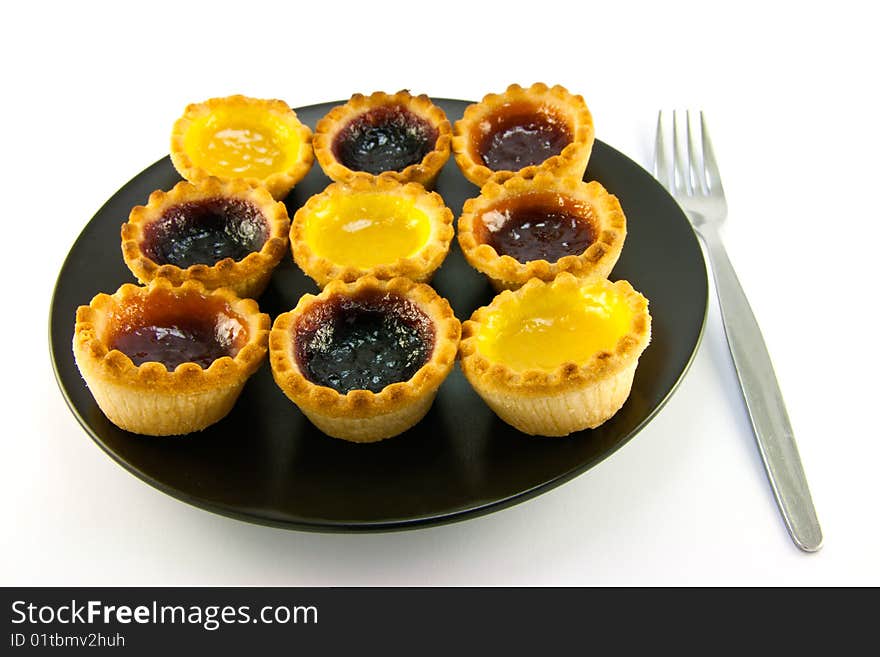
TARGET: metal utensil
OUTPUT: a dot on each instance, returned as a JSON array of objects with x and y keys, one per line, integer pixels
[{"x": 694, "y": 182}]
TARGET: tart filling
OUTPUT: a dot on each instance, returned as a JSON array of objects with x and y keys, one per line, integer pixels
[
  {"x": 371, "y": 227},
  {"x": 222, "y": 234},
  {"x": 519, "y": 135},
  {"x": 362, "y": 343},
  {"x": 176, "y": 328},
  {"x": 204, "y": 232},
  {"x": 389, "y": 138},
  {"x": 553, "y": 358},
  {"x": 540, "y": 227},
  {"x": 542, "y": 329},
  {"x": 368, "y": 229},
  {"x": 522, "y": 132},
  {"x": 363, "y": 360},
  {"x": 164, "y": 360},
  {"x": 259, "y": 141},
  {"x": 398, "y": 135}
]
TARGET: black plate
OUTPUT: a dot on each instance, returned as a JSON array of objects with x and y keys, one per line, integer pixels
[{"x": 266, "y": 463}]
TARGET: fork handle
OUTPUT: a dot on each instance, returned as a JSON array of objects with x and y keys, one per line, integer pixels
[{"x": 763, "y": 398}]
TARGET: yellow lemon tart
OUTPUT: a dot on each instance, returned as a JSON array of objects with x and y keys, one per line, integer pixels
[
  {"x": 541, "y": 227},
  {"x": 223, "y": 234},
  {"x": 375, "y": 227},
  {"x": 398, "y": 135},
  {"x": 164, "y": 360},
  {"x": 364, "y": 360},
  {"x": 261, "y": 142},
  {"x": 554, "y": 358},
  {"x": 524, "y": 131}
]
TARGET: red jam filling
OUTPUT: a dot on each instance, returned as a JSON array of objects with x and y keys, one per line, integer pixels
[
  {"x": 538, "y": 227},
  {"x": 363, "y": 343},
  {"x": 205, "y": 232},
  {"x": 384, "y": 139},
  {"x": 176, "y": 328},
  {"x": 519, "y": 135}
]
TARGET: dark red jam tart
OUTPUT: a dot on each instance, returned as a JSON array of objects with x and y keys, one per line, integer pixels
[
  {"x": 173, "y": 329},
  {"x": 221, "y": 234},
  {"x": 522, "y": 132},
  {"x": 396, "y": 135},
  {"x": 540, "y": 227},
  {"x": 517, "y": 137},
  {"x": 164, "y": 359},
  {"x": 364, "y": 360}
]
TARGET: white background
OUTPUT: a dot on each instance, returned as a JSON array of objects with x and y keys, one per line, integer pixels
[{"x": 88, "y": 99}]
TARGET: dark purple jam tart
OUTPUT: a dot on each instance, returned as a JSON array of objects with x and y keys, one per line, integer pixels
[
  {"x": 205, "y": 232},
  {"x": 540, "y": 227},
  {"x": 364, "y": 360},
  {"x": 165, "y": 360},
  {"x": 363, "y": 343},
  {"x": 384, "y": 139},
  {"x": 222, "y": 234},
  {"x": 522, "y": 132},
  {"x": 402, "y": 136}
]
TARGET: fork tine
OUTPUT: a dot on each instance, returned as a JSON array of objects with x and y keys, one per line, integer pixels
[
  {"x": 680, "y": 169},
  {"x": 713, "y": 177},
  {"x": 661, "y": 164},
  {"x": 695, "y": 172}
]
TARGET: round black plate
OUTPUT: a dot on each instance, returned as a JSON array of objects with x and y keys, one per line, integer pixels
[{"x": 266, "y": 463}]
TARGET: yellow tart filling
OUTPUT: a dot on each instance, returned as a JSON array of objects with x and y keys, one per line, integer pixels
[
  {"x": 548, "y": 326},
  {"x": 367, "y": 229},
  {"x": 242, "y": 141}
]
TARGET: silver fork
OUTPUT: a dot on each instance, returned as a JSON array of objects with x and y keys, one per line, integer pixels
[{"x": 696, "y": 185}]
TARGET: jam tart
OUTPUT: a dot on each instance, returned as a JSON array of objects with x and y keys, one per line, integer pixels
[
  {"x": 400, "y": 136},
  {"x": 363, "y": 360},
  {"x": 524, "y": 131},
  {"x": 223, "y": 234},
  {"x": 261, "y": 142},
  {"x": 371, "y": 227},
  {"x": 558, "y": 357},
  {"x": 165, "y": 360},
  {"x": 541, "y": 227}
]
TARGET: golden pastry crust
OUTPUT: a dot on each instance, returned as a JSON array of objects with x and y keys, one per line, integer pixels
[
  {"x": 148, "y": 399},
  {"x": 419, "y": 266},
  {"x": 424, "y": 172},
  {"x": 505, "y": 272},
  {"x": 362, "y": 415},
  {"x": 297, "y": 135},
  {"x": 572, "y": 109},
  {"x": 573, "y": 395},
  {"x": 247, "y": 277}
]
